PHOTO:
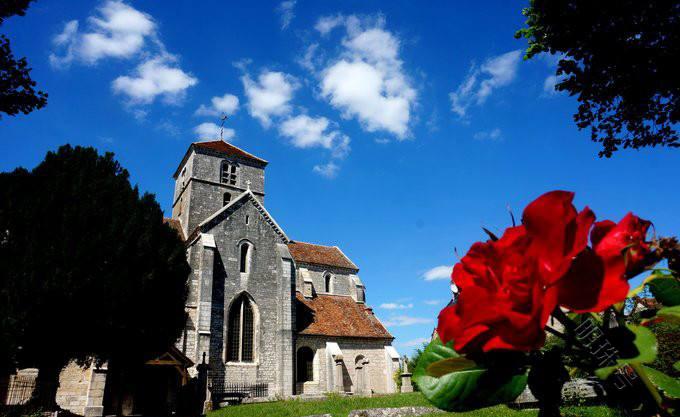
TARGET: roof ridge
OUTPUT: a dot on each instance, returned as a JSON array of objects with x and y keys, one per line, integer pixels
[
  {"x": 228, "y": 144},
  {"x": 315, "y": 244},
  {"x": 260, "y": 208}
]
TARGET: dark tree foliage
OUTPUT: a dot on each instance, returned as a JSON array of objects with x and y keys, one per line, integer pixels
[
  {"x": 17, "y": 92},
  {"x": 10, "y": 8},
  {"x": 619, "y": 58},
  {"x": 88, "y": 269}
]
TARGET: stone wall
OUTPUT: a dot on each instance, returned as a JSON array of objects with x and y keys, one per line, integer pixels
[
  {"x": 201, "y": 192},
  {"x": 74, "y": 383},
  {"x": 379, "y": 369},
  {"x": 266, "y": 285},
  {"x": 342, "y": 283},
  {"x": 81, "y": 389}
]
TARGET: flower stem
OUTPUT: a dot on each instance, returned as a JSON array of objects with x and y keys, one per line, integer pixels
[{"x": 648, "y": 384}]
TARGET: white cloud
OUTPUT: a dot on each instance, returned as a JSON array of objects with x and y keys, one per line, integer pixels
[
  {"x": 418, "y": 342},
  {"x": 438, "y": 272},
  {"x": 396, "y": 306},
  {"x": 398, "y": 321},
  {"x": 549, "y": 85},
  {"x": 269, "y": 96},
  {"x": 327, "y": 23},
  {"x": 287, "y": 10},
  {"x": 481, "y": 82},
  {"x": 432, "y": 302},
  {"x": 367, "y": 80},
  {"x": 169, "y": 128},
  {"x": 154, "y": 77},
  {"x": 66, "y": 42},
  {"x": 212, "y": 131},
  {"x": 307, "y": 132},
  {"x": 227, "y": 104},
  {"x": 329, "y": 170},
  {"x": 309, "y": 60},
  {"x": 118, "y": 30},
  {"x": 493, "y": 134}
]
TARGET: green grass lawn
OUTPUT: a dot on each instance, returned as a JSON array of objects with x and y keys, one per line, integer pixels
[{"x": 341, "y": 406}]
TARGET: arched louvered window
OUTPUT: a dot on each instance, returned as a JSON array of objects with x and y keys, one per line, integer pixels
[
  {"x": 241, "y": 332},
  {"x": 228, "y": 173}
]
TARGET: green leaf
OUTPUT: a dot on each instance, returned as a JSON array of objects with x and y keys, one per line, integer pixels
[
  {"x": 656, "y": 274},
  {"x": 667, "y": 384},
  {"x": 446, "y": 366},
  {"x": 670, "y": 313},
  {"x": 645, "y": 343},
  {"x": 676, "y": 366},
  {"x": 666, "y": 289},
  {"x": 466, "y": 389}
]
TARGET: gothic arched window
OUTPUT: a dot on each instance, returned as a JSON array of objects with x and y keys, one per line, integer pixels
[
  {"x": 228, "y": 173},
  {"x": 245, "y": 256},
  {"x": 241, "y": 332},
  {"x": 328, "y": 283},
  {"x": 305, "y": 364},
  {"x": 226, "y": 198}
]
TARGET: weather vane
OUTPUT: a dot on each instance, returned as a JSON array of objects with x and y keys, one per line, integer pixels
[{"x": 223, "y": 118}]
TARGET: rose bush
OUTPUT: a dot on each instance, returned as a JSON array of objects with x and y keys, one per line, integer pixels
[
  {"x": 490, "y": 339},
  {"x": 510, "y": 286}
]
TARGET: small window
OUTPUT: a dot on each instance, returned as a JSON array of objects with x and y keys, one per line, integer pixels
[
  {"x": 246, "y": 254},
  {"x": 361, "y": 294},
  {"x": 184, "y": 171},
  {"x": 247, "y": 219},
  {"x": 305, "y": 364},
  {"x": 228, "y": 173},
  {"x": 226, "y": 198},
  {"x": 328, "y": 283}
]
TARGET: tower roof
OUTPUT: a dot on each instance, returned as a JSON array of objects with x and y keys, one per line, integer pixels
[{"x": 220, "y": 147}]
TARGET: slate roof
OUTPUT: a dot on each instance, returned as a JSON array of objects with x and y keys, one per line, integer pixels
[
  {"x": 338, "y": 316},
  {"x": 220, "y": 147},
  {"x": 320, "y": 255},
  {"x": 175, "y": 224}
]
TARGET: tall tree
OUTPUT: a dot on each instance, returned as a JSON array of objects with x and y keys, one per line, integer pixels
[
  {"x": 619, "y": 58},
  {"x": 88, "y": 269},
  {"x": 17, "y": 89}
]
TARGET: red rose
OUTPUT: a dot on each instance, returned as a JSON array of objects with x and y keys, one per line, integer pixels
[
  {"x": 597, "y": 278},
  {"x": 558, "y": 233},
  {"x": 502, "y": 303},
  {"x": 627, "y": 238}
]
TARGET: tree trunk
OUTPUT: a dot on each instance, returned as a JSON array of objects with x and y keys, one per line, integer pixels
[{"x": 46, "y": 385}]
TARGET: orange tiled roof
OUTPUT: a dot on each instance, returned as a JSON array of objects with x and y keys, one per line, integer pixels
[
  {"x": 221, "y": 147},
  {"x": 175, "y": 224},
  {"x": 321, "y": 255},
  {"x": 339, "y": 316},
  {"x": 228, "y": 149}
]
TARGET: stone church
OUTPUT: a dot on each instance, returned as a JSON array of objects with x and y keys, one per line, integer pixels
[
  {"x": 268, "y": 316},
  {"x": 264, "y": 309}
]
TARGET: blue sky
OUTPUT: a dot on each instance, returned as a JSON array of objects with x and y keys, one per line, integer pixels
[{"x": 393, "y": 130}]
